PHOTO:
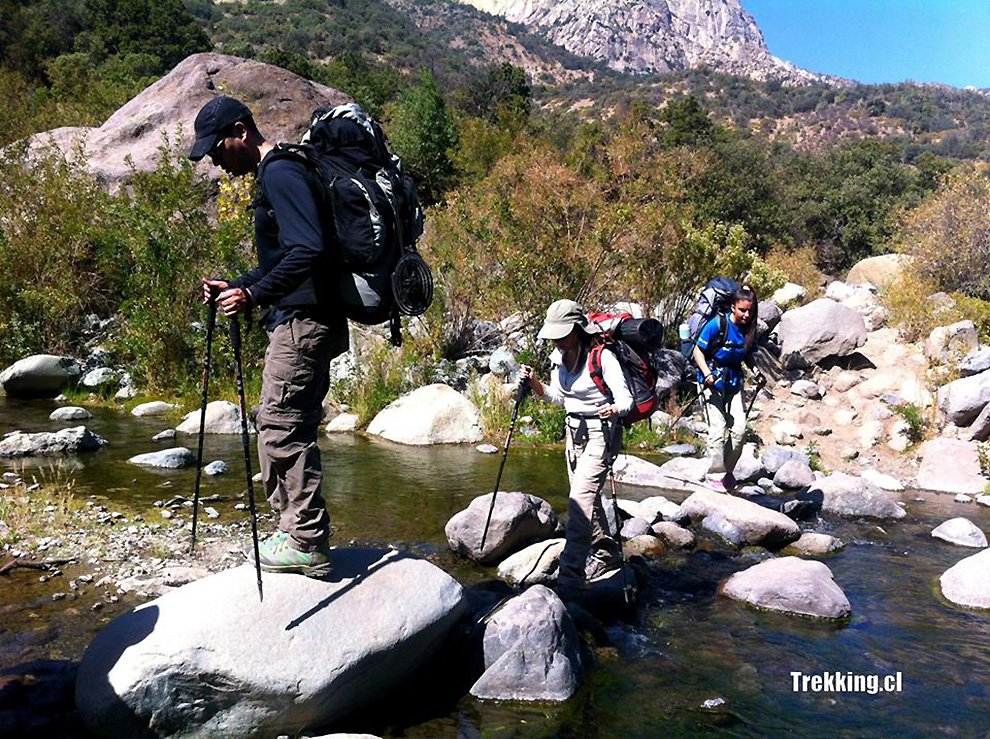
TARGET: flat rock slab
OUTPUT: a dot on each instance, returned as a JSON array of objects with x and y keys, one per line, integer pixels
[
  {"x": 967, "y": 583},
  {"x": 210, "y": 660},
  {"x": 739, "y": 521},
  {"x": 153, "y": 408},
  {"x": 45, "y": 444},
  {"x": 532, "y": 650},
  {"x": 960, "y": 531},
  {"x": 434, "y": 414},
  {"x": 951, "y": 466},
  {"x": 170, "y": 459},
  {"x": 630, "y": 470},
  {"x": 789, "y": 585}
]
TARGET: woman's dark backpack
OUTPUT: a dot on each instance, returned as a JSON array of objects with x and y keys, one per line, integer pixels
[
  {"x": 372, "y": 216},
  {"x": 632, "y": 341},
  {"x": 715, "y": 299}
]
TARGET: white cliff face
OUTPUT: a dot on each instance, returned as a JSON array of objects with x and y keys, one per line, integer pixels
[{"x": 652, "y": 35}]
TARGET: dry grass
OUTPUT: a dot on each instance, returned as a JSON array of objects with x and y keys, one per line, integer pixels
[
  {"x": 39, "y": 503},
  {"x": 913, "y": 313}
]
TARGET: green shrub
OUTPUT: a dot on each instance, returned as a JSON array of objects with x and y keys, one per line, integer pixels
[{"x": 916, "y": 423}]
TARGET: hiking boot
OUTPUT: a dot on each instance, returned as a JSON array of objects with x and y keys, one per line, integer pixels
[
  {"x": 277, "y": 554},
  {"x": 271, "y": 541},
  {"x": 729, "y": 482}
]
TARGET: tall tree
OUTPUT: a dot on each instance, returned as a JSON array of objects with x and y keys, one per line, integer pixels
[{"x": 424, "y": 135}]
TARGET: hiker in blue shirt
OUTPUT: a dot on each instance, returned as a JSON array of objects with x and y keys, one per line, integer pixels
[{"x": 720, "y": 379}]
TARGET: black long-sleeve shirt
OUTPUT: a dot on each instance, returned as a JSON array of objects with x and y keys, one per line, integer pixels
[{"x": 294, "y": 274}]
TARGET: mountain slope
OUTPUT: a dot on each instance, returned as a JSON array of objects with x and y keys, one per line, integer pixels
[{"x": 655, "y": 36}]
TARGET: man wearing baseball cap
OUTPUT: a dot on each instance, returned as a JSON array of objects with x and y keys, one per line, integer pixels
[{"x": 305, "y": 329}]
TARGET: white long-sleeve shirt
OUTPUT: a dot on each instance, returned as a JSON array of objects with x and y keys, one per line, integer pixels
[{"x": 577, "y": 391}]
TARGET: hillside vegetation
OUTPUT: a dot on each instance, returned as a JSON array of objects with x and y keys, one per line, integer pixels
[{"x": 578, "y": 182}]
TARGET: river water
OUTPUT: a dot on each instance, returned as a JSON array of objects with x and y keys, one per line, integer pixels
[{"x": 685, "y": 647}]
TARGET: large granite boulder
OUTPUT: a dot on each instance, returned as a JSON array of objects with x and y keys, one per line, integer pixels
[
  {"x": 40, "y": 376},
  {"x": 222, "y": 417},
  {"x": 847, "y": 495},
  {"x": 532, "y": 650},
  {"x": 280, "y": 101},
  {"x": 880, "y": 271},
  {"x": 434, "y": 414},
  {"x": 967, "y": 583},
  {"x": 739, "y": 521},
  {"x": 818, "y": 330},
  {"x": 186, "y": 665},
  {"x": 951, "y": 466},
  {"x": 518, "y": 520},
  {"x": 790, "y": 585},
  {"x": 963, "y": 399},
  {"x": 44, "y": 444},
  {"x": 962, "y": 532}
]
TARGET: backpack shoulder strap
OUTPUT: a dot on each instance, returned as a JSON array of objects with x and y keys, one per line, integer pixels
[
  {"x": 720, "y": 337},
  {"x": 595, "y": 366}
]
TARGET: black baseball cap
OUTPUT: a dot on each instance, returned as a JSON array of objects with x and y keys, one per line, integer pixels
[{"x": 213, "y": 120}]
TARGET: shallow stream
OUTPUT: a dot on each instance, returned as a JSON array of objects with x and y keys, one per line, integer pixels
[{"x": 685, "y": 647}]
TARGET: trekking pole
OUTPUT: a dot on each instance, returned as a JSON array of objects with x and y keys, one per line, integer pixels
[
  {"x": 211, "y": 320},
  {"x": 760, "y": 384},
  {"x": 235, "y": 341},
  {"x": 523, "y": 391},
  {"x": 686, "y": 408},
  {"x": 628, "y": 592}
]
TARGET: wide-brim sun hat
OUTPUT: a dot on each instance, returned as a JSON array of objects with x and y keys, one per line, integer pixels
[{"x": 562, "y": 317}]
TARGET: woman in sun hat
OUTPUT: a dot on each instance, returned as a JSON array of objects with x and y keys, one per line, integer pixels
[{"x": 593, "y": 435}]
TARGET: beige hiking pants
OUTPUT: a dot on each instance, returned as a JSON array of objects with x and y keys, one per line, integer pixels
[
  {"x": 294, "y": 382},
  {"x": 726, "y": 429},
  {"x": 590, "y": 514}
]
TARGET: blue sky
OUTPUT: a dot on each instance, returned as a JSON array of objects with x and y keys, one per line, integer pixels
[{"x": 881, "y": 40}]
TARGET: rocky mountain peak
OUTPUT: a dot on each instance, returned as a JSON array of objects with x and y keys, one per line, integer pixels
[{"x": 654, "y": 36}]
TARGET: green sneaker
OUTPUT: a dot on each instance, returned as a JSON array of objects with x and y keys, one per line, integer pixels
[
  {"x": 278, "y": 555},
  {"x": 271, "y": 541}
]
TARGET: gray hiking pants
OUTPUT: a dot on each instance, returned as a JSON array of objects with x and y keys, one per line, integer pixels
[
  {"x": 294, "y": 382},
  {"x": 726, "y": 427},
  {"x": 590, "y": 516}
]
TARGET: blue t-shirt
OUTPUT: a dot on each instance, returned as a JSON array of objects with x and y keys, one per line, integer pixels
[{"x": 726, "y": 363}]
